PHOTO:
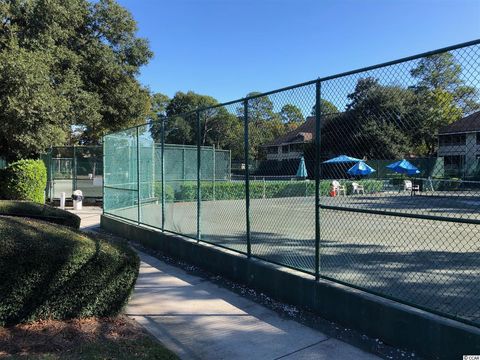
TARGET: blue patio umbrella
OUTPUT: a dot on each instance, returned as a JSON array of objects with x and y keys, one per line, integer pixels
[
  {"x": 404, "y": 167},
  {"x": 360, "y": 168},
  {"x": 341, "y": 159},
  {"x": 302, "y": 169}
]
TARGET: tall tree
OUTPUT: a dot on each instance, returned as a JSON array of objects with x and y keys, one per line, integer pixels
[
  {"x": 227, "y": 133},
  {"x": 265, "y": 124},
  {"x": 185, "y": 104},
  {"x": 159, "y": 103},
  {"x": 79, "y": 60},
  {"x": 291, "y": 114},
  {"x": 260, "y": 108},
  {"x": 442, "y": 98},
  {"x": 372, "y": 124},
  {"x": 29, "y": 106},
  {"x": 432, "y": 110},
  {"x": 442, "y": 72},
  {"x": 327, "y": 107}
]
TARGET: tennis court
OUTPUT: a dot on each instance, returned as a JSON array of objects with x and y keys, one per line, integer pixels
[
  {"x": 90, "y": 188},
  {"x": 370, "y": 136},
  {"x": 429, "y": 262}
]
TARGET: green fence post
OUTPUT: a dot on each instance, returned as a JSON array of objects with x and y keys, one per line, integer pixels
[
  {"x": 53, "y": 175},
  {"x": 183, "y": 164},
  {"x": 162, "y": 160},
  {"x": 264, "y": 188},
  {"x": 138, "y": 178},
  {"x": 103, "y": 173},
  {"x": 74, "y": 180},
  {"x": 213, "y": 171},
  {"x": 230, "y": 165},
  {"x": 247, "y": 176},
  {"x": 199, "y": 193},
  {"x": 50, "y": 169},
  {"x": 317, "y": 176}
]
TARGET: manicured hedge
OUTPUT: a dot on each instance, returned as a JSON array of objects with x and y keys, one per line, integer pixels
[
  {"x": 38, "y": 211},
  {"x": 53, "y": 272},
  {"x": 169, "y": 192},
  {"x": 232, "y": 190},
  {"x": 24, "y": 180}
]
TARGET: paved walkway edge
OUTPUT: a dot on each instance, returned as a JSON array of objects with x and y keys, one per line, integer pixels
[{"x": 200, "y": 320}]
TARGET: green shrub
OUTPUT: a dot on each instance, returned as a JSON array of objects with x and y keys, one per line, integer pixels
[
  {"x": 169, "y": 192},
  {"x": 234, "y": 190},
  {"x": 24, "y": 180},
  {"x": 38, "y": 211},
  {"x": 53, "y": 272}
]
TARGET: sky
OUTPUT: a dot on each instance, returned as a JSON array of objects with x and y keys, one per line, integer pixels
[{"x": 228, "y": 48}]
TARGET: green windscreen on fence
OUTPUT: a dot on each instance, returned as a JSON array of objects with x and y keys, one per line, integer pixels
[
  {"x": 71, "y": 168},
  {"x": 369, "y": 178},
  {"x": 120, "y": 190}
]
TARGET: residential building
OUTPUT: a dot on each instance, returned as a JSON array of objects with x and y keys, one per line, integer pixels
[
  {"x": 459, "y": 146},
  {"x": 291, "y": 145}
]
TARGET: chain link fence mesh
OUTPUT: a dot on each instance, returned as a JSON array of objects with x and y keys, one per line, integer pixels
[
  {"x": 369, "y": 178},
  {"x": 72, "y": 168}
]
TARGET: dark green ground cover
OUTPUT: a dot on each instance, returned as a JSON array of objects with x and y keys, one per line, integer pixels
[
  {"x": 53, "y": 272},
  {"x": 39, "y": 211}
]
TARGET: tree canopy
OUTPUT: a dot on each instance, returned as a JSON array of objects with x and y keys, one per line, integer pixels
[
  {"x": 68, "y": 74},
  {"x": 442, "y": 73},
  {"x": 67, "y": 65},
  {"x": 390, "y": 121},
  {"x": 291, "y": 114}
]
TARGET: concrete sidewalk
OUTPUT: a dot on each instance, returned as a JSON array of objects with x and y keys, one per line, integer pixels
[
  {"x": 200, "y": 320},
  {"x": 197, "y": 319},
  {"x": 90, "y": 216}
]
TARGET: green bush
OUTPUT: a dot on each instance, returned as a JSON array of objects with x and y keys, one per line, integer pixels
[
  {"x": 53, "y": 272},
  {"x": 24, "y": 180},
  {"x": 38, "y": 211},
  {"x": 169, "y": 192},
  {"x": 233, "y": 190}
]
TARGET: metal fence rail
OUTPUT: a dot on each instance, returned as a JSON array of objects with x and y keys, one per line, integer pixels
[{"x": 370, "y": 178}]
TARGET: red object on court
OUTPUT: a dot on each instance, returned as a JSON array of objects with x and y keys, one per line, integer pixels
[{"x": 333, "y": 193}]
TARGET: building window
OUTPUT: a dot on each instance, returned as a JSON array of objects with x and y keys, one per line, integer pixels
[
  {"x": 285, "y": 149},
  {"x": 272, "y": 150},
  {"x": 296, "y": 147},
  {"x": 453, "y": 140},
  {"x": 453, "y": 165}
]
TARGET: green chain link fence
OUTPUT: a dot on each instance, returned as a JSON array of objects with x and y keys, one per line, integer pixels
[
  {"x": 72, "y": 168},
  {"x": 369, "y": 178}
]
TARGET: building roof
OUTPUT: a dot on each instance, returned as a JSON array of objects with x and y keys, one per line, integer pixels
[
  {"x": 304, "y": 133},
  {"x": 469, "y": 123}
]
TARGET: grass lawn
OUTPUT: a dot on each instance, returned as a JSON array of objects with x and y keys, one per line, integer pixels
[{"x": 91, "y": 338}]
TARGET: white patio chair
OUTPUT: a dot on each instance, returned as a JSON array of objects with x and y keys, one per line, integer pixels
[
  {"x": 98, "y": 180},
  {"x": 357, "y": 188},
  {"x": 408, "y": 186},
  {"x": 338, "y": 188}
]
